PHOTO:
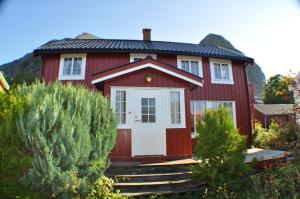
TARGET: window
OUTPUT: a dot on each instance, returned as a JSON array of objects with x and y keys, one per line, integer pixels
[
  {"x": 221, "y": 71},
  {"x": 190, "y": 64},
  {"x": 198, "y": 108},
  {"x": 148, "y": 110},
  {"x": 140, "y": 56},
  {"x": 175, "y": 107},
  {"x": 120, "y": 107},
  {"x": 185, "y": 65},
  {"x": 72, "y": 67},
  {"x": 195, "y": 68}
]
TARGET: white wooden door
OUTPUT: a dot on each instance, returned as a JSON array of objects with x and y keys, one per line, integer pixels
[{"x": 148, "y": 126}]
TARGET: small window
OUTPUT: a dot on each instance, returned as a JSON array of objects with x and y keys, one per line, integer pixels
[
  {"x": 190, "y": 64},
  {"x": 185, "y": 66},
  {"x": 195, "y": 68},
  {"x": 72, "y": 67},
  {"x": 175, "y": 107},
  {"x": 148, "y": 111},
  {"x": 221, "y": 71},
  {"x": 120, "y": 107}
]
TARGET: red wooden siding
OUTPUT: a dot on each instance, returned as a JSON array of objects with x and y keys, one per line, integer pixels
[
  {"x": 179, "y": 142},
  {"x": 168, "y": 59},
  {"x": 94, "y": 63},
  {"x": 122, "y": 147},
  {"x": 224, "y": 92},
  {"x": 137, "y": 79}
]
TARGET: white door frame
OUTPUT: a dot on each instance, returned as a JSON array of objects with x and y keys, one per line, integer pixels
[{"x": 165, "y": 105}]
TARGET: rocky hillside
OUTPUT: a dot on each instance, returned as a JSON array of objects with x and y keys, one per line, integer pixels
[
  {"x": 254, "y": 73},
  {"x": 28, "y": 68}
]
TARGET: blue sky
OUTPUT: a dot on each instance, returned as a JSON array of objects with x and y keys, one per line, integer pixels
[{"x": 268, "y": 31}]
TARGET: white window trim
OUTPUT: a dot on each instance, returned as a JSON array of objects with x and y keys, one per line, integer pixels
[
  {"x": 233, "y": 108},
  {"x": 182, "y": 108},
  {"x": 72, "y": 77},
  {"x": 127, "y": 105},
  {"x": 141, "y": 56},
  {"x": 213, "y": 61},
  {"x": 189, "y": 59}
]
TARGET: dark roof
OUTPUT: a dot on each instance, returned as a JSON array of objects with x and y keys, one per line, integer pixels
[
  {"x": 116, "y": 45},
  {"x": 274, "y": 109}
]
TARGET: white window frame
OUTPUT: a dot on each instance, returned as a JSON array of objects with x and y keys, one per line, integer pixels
[
  {"x": 61, "y": 76},
  {"x": 190, "y": 59},
  {"x": 141, "y": 56},
  {"x": 213, "y": 61},
  {"x": 182, "y": 123},
  {"x": 127, "y": 123},
  {"x": 208, "y": 105}
]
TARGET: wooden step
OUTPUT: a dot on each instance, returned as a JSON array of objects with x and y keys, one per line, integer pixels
[
  {"x": 154, "y": 177},
  {"x": 146, "y": 169},
  {"x": 156, "y": 186},
  {"x": 171, "y": 191}
]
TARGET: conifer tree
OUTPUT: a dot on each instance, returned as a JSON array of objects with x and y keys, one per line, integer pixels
[
  {"x": 70, "y": 132},
  {"x": 220, "y": 150}
]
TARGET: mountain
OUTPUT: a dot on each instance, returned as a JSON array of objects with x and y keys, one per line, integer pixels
[
  {"x": 254, "y": 73},
  {"x": 26, "y": 69}
]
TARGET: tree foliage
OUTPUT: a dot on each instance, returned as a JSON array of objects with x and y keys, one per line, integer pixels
[
  {"x": 14, "y": 157},
  {"x": 277, "y": 91},
  {"x": 70, "y": 132},
  {"x": 220, "y": 150}
]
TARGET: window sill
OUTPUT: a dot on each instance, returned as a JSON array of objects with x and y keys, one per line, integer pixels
[
  {"x": 123, "y": 126},
  {"x": 222, "y": 82},
  {"x": 71, "y": 78},
  {"x": 176, "y": 127}
]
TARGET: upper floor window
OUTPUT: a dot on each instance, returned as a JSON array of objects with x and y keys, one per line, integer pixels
[
  {"x": 140, "y": 56},
  {"x": 221, "y": 71},
  {"x": 72, "y": 67},
  {"x": 190, "y": 64}
]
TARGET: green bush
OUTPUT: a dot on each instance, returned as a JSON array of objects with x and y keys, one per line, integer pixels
[
  {"x": 265, "y": 138},
  {"x": 220, "y": 150},
  {"x": 70, "y": 132},
  {"x": 103, "y": 188},
  {"x": 14, "y": 157},
  {"x": 278, "y": 182}
]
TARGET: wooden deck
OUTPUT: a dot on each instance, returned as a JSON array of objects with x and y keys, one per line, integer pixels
[{"x": 255, "y": 153}]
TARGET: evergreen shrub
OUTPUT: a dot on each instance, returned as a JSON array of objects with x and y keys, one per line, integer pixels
[
  {"x": 221, "y": 151},
  {"x": 70, "y": 132}
]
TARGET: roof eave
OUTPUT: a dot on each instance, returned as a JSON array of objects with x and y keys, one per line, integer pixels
[{"x": 83, "y": 50}]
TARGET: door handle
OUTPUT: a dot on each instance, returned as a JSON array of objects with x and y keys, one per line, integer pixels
[{"x": 137, "y": 120}]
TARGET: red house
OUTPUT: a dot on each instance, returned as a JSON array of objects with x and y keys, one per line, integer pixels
[{"x": 158, "y": 89}]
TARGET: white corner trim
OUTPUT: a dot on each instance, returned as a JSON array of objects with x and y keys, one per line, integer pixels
[
  {"x": 212, "y": 61},
  {"x": 141, "y": 56},
  {"x": 72, "y": 77},
  {"x": 147, "y": 66},
  {"x": 190, "y": 58}
]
